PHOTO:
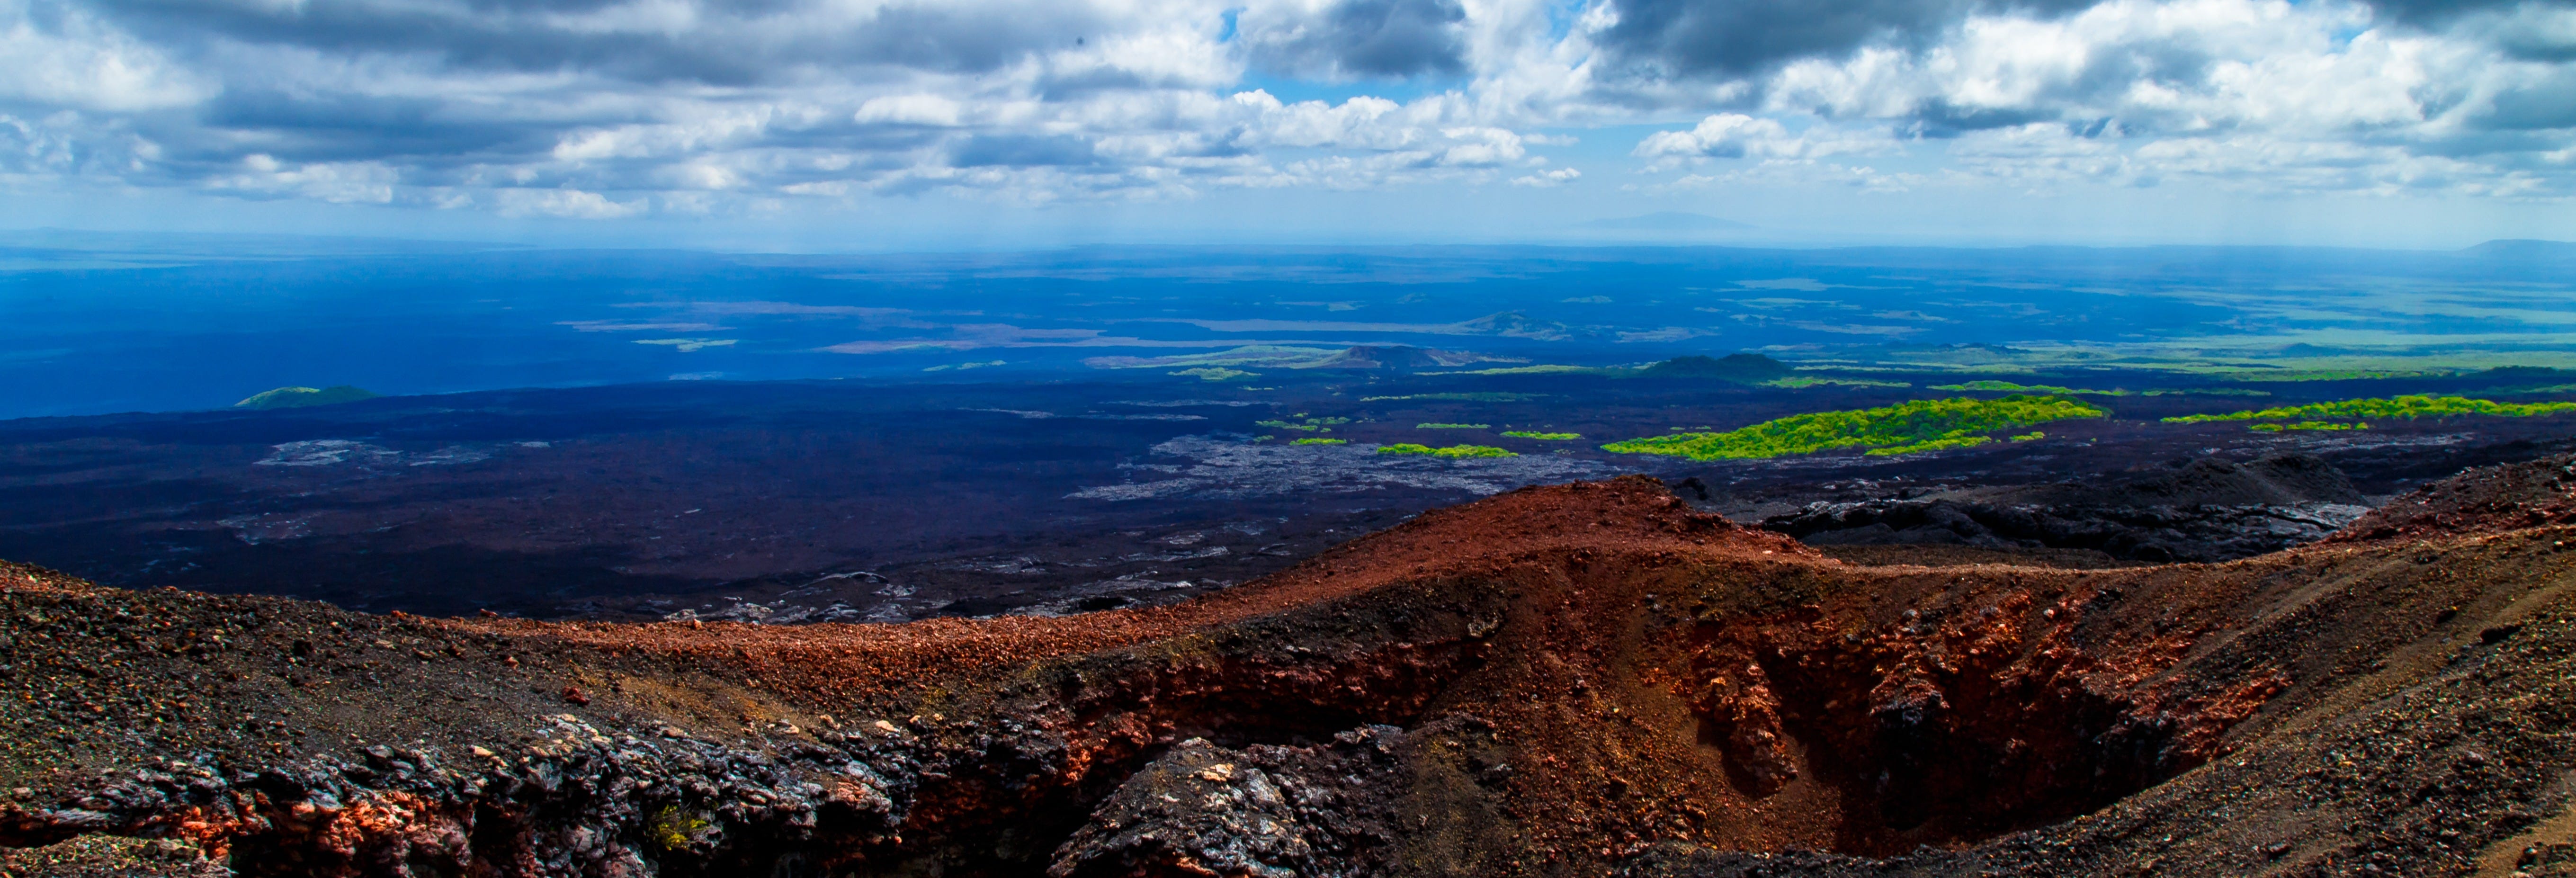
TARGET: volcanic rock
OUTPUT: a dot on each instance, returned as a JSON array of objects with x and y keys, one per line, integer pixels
[
  {"x": 1582, "y": 679},
  {"x": 2211, "y": 509}
]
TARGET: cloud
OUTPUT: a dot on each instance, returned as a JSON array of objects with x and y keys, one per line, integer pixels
[
  {"x": 1352, "y": 39},
  {"x": 572, "y": 203},
  {"x": 2261, "y": 96},
  {"x": 612, "y": 109},
  {"x": 1726, "y": 38}
]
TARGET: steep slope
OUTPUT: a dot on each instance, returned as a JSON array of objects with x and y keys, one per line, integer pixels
[{"x": 1558, "y": 681}]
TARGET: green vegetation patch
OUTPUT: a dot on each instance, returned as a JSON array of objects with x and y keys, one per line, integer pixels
[
  {"x": 1215, "y": 373},
  {"x": 1453, "y": 451},
  {"x": 2335, "y": 374},
  {"x": 1451, "y": 426},
  {"x": 1459, "y": 397},
  {"x": 1533, "y": 434},
  {"x": 1805, "y": 381},
  {"x": 1915, "y": 426},
  {"x": 2009, "y": 387},
  {"x": 2305, "y": 425},
  {"x": 2208, "y": 391},
  {"x": 302, "y": 397},
  {"x": 2412, "y": 406},
  {"x": 672, "y": 829},
  {"x": 2032, "y": 436},
  {"x": 1553, "y": 369},
  {"x": 1928, "y": 445},
  {"x": 1316, "y": 441},
  {"x": 1304, "y": 424}
]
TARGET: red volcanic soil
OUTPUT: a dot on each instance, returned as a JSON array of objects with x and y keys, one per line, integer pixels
[{"x": 1570, "y": 680}]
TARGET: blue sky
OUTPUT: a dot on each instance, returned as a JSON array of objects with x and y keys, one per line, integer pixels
[{"x": 942, "y": 124}]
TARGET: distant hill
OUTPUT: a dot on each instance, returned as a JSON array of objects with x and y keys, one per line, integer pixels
[
  {"x": 2524, "y": 249},
  {"x": 1403, "y": 357},
  {"x": 1736, "y": 368},
  {"x": 1514, "y": 324},
  {"x": 1667, "y": 221},
  {"x": 304, "y": 397}
]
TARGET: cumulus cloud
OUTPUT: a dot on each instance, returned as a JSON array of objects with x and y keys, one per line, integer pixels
[
  {"x": 618, "y": 108},
  {"x": 1348, "y": 39},
  {"x": 2259, "y": 95}
]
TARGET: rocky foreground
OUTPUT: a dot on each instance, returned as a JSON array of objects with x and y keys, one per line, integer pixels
[{"x": 1574, "y": 680}]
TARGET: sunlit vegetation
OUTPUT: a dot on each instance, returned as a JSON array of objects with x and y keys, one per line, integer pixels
[
  {"x": 1928, "y": 445},
  {"x": 1805, "y": 381},
  {"x": 1317, "y": 441},
  {"x": 2412, "y": 406},
  {"x": 1922, "y": 425},
  {"x": 1215, "y": 373},
  {"x": 2208, "y": 391},
  {"x": 301, "y": 397},
  {"x": 1533, "y": 434},
  {"x": 2009, "y": 387},
  {"x": 2032, "y": 436},
  {"x": 1428, "y": 426},
  {"x": 2306, "y": 425},
  {"x": 1304, "y": 424},
  {"x": 1459, "y": 397},
  {"x": 1454, "y": 451}
]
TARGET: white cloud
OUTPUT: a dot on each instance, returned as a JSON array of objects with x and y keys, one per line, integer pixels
[
  {"x": 697, "y": 106},
  {"x": 338, "y": 182},
  {"x": 1548, "y": 179},
  {"x": 71, "y": 60},
  {"x": 572, "y": 203}
]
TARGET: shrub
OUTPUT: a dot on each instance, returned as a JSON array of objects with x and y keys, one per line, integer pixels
[
  {"x": 1454, "y": 451},
  {"x": 2413, "y": 406},
  {"x": 1911, "y": 426}
]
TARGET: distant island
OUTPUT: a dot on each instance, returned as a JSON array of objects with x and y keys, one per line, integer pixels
[{"x": 304, "y": 397}]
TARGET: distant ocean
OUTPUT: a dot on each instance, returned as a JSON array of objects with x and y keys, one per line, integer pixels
[{"x": 100, "y": 323}]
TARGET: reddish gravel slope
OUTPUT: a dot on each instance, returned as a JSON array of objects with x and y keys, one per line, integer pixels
[{"x": 1558, "y": 681}]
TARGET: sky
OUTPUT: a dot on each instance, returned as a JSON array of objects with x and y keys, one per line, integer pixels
[{"x": 948, "y": 124}]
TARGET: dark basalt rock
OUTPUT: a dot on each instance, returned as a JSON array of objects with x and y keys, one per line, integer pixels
[{"x": 2210, "y": 509}]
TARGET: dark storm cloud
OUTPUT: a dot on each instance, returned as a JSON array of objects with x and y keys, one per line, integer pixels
[
  {"x": 728, "y": 42},
  {"x": 2539, "y": 106},
  {"x": 1371, "y": 38},
  {"x": 2507, "y": 24},
  {"x": 343, "y": 127},
  {"x": 1732, "y": 38},
  {"x": 2423, "y": 11}
]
